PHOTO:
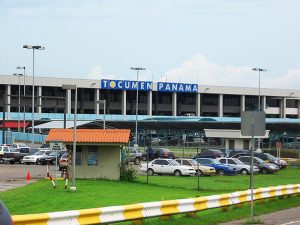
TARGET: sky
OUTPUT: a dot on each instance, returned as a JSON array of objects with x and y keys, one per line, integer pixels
[{"x": 209, "y": 42}]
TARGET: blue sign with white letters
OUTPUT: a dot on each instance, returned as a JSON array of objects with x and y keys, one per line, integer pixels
[
  {"x": 176, "y": 87},
  {"x": 126, "y": 85}
]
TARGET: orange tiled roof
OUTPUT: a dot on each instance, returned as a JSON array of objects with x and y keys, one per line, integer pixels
[{"x": 90, "y": 135}]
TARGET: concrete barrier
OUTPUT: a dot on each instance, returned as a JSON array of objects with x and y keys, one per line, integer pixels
[{"x": 137, "y": 212}]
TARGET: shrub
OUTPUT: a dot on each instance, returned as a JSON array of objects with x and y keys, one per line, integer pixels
[{"x": 128, "y": 175}]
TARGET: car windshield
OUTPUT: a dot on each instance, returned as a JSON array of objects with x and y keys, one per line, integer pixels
[
  {"x": 239, "y": 162},
  {"x": 194, "y": 162},
  {"x": 273, "y": 158},
  {"x": 40, "y": 153},
  {"x": 260, "y": 161},
  {"x": 54, "y": 153},
  {"x": 174, "y": 162}
]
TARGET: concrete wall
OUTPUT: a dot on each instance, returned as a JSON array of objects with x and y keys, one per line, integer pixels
[
  {"x": 238, "y": 143},
  {"x": 108, "y": 164}
]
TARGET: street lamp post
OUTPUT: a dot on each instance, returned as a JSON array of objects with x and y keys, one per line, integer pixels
[
  {"x": 73, "y": 87},
  {"x": 24, "y": 94},
  {"x": 104, "y": 107},
  {"x": 259, "y": 107},
  {"x": 33, "y": 47},
  {"x": 137, "y": 99},
  {"x": 19, "y": 101}
]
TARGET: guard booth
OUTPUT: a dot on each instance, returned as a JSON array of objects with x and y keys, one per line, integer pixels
[
  {"x": 98, "y": 152},
  {"x": 233, "y": 138}
]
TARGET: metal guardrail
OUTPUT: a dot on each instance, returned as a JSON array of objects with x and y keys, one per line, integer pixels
[{"x": 141, "y": 211}]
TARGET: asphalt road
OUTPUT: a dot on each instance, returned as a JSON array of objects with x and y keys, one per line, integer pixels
[{"x": 14, "y": 175}]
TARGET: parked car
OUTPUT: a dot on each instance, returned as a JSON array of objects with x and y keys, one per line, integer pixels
[
  {"x": 167, "y": 166},
  {"x": 238, "y": 164},
  {"x": 135, "y": 155},
  {"x": 210, "y": 153},
  {"x": 264, "y": 167},
  {"x": 63, "y": 161},
  {"x": 200, "y": 169},
  {"x": 35, "y": 157},
  {"x": 4, "y": 148},
  {"x": 19, "y": 145},
  {"x": 220, "y": 168},
  {"x": 7, "y": 155},
  {"x": 238, "y": 153},
  {"x": 267, "y": 158},
  {"x": 282, "y": 163},
  {"x": 18, "y": 154},
  {"x": 51, "y": 158},
  {"x": 155, "y": 153}
]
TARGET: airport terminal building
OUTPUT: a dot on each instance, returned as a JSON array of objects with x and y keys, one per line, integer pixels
[{"x": 154, "y": 98}]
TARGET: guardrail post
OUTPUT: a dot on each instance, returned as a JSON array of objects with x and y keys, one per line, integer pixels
[
  {"x": 225, "y": 208},
  {"x": 137, "y": 222},
  {"x": 261, "y": 201},
  {"x": 165, "y": 217},
  {"x": 191, "y": 214},
  {"x": 239, "y": 205}
]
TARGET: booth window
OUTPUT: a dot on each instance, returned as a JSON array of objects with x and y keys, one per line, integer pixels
[
  {"x": 78, "y": 158},
  {"x": 92, "y": 156}
]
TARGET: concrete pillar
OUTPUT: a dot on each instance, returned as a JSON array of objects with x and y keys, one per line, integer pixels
[
  {"x": 97, "y": 94},
  {"x": 174, "y": 104},
  {"x": 69, "y": 102},
  {"x": 283, "y": 108},
  {"x": 124, "y": 106},
  {"x": 198, "y": 104},
  {"x": 39, "y": 100},
  {"x": 149, "y": 103},
  {"x": 299, "y": 108},
  {"x": 220, "y": 105},
  {"x": 263, "y": 101},
  {"x": 243, "y": 99},
  {"x": 8, "y": 100}
]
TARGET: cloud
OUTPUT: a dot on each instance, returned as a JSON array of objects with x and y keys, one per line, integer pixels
[
  {"x": 96, "y": 73},
  {"x": 200, "y": 70}
]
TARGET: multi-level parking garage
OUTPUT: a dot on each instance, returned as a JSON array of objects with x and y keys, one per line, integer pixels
[
  {"x": 161, "y": 105},
  {"x": 155, "y": 98}
]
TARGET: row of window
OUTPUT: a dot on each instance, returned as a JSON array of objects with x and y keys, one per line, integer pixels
[{"x": 92, "y": 156}]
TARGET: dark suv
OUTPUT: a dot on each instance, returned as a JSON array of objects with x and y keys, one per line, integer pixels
[
  {"x": 155, "y": 153},
  {"x": 210, "y": 153}
]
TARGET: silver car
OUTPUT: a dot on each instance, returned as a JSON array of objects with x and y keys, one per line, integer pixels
[
  {"x": 134, "y": 156},
  {"x": 35, "y": 157}
]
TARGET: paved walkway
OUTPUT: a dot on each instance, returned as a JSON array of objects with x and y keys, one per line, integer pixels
[{"x": 284, "y": 217}]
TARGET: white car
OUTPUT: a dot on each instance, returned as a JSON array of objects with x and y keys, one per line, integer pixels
[
  {"x": 4, "y": 148},
  {"x": 238, "y": 164},
  {"x": 167, "y": 166},
  {"x": 35, "y": 157}
]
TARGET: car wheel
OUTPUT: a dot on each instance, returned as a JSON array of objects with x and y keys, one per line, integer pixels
[
  {"x": 244, "y": 172},
  {"x": 21, "y": 160},
  {"x": 221, "y": 172},
  {"x": 38, "y": 162},
  {"x": 264, "y": 171},
  {"x": 177, "y": 173},
  {"x": 150, "y": 172},
  {"x": 199, "y": 173},
  {"x": 137, "y": 161},
  {"x": 1, "y": 161},
  {"x": 144, "y": 158}
]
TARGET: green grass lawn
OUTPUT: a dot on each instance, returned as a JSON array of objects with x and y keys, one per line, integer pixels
[{"x": 41, "y": 197}]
